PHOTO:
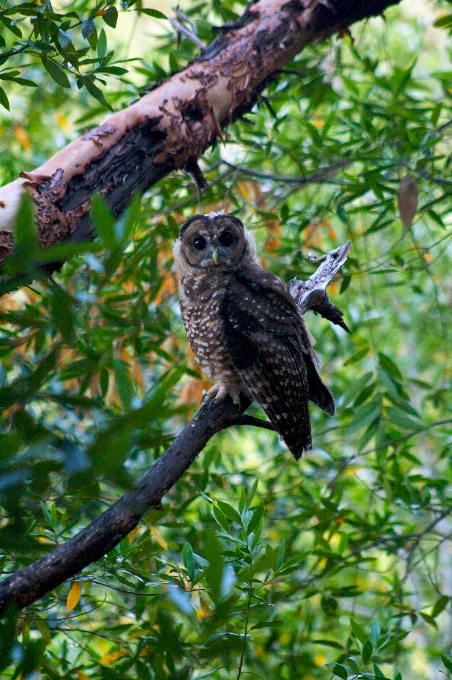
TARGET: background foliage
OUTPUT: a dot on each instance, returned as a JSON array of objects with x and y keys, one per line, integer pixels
[{"x": 258, "y": 566}]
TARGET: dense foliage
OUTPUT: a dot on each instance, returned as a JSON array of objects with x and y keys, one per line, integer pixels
[{"x": 256, "y": 566}]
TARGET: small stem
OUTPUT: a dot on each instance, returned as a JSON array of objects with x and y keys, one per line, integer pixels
[{"x": 242, "y": 656}]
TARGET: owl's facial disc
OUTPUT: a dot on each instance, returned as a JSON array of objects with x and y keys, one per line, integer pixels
[{"x": 214, "y": 242}]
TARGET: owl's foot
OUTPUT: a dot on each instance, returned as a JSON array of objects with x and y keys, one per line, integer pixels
[{"x": 222, "y": 390}]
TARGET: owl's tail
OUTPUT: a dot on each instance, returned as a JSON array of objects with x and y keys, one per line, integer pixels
[
  {"x": 284, "y": 405},
  {"x": 296, "y": 430}
]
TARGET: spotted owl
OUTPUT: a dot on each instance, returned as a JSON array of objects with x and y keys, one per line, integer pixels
[{"x": 245, "y": 328}]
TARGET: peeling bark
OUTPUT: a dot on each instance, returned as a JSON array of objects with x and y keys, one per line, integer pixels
[{"x": 175, "y": 122}]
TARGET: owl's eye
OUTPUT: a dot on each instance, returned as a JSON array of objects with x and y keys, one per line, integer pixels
[
  {"x": 199, "y": 243},
  {"x": 226, "y": 238}
]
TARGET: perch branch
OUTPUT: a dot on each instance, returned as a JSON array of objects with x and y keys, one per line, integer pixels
[{"x": 27, "y": 585}]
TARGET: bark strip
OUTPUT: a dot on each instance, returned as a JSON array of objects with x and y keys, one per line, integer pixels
[{"x": 172, "y": 125}]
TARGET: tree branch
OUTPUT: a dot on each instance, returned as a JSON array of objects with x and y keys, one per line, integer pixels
[
  {"x": 311, "y": 294},
  {"x": 26, "y": 586},
  {"x": 172, "y": 125}
]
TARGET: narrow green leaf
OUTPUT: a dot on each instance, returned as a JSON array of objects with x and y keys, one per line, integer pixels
[
  {"x": 367, "y": 651},
  {"x": 256, "y": 518},
  {"x": 221, "y": 518},
  {"x": 444, "y": 22},
  {"x": 447, "y": 662},
  {"x": 189, "y": 561},
  {"x": 439, "y": 606},
  {"x": 375, "y": 632},
  {"x": 57, "y": 73},
  {"x": 359, "y": 632},
  {"x": 277, "y": 623},
  {"x": 102, "y": 44},
  {"x": 152, "y": 13},
  {"x": 251, "y": 494},
  {"x": 95, "y": 92},
  {"x": 280, "y": 554},
  {"x": 103, "y": 221},
  {"x": 394, "y": 641},
  {"x": 230, "y": 512},
  {"x": 4, "y": 99},
  {"x": 64, "y": 39}
]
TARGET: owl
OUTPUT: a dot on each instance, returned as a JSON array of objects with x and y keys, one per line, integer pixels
[{"x": 245, "y": 328}]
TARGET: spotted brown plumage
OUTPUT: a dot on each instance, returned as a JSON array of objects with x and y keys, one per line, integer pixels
[{"x": 245, "y": 328}]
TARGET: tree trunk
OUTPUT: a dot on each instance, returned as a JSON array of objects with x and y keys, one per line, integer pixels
[{"x": 171, "y": 126}]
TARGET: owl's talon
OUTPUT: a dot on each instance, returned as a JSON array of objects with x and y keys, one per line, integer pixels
[{"x": 222, "y": 390}]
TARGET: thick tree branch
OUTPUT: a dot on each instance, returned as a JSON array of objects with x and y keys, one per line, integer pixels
[
  {"x": 172, "y": 125},
  {"x": 97, "y": 539}
]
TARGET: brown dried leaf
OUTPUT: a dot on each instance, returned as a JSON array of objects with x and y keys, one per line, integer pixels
[{"x": 407, "y": 199}]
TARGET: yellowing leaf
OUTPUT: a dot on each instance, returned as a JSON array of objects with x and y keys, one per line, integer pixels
[
  {"x": 43, "y": 629},
  {"x": 158, "y": 537},
  {"x": 74, "y": 596},
  {"x": 108, "y": 658},
  {"x": 82, "y": 675},
  {"x": 132, "y": 534},
  {"x": 21, "y": 136},
  {"x": 242, "y": 187}
]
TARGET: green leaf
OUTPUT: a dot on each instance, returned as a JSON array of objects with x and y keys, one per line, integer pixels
[
  {"x": 95, "y": 91},
  {"x": 103, "y": 221},
  {"x": 394, "y": 641},
  {"x": 447, "y": 662},
  {"x": 229, "y": 511},
  {"x": 152, "y": 13},
  {"x": 252, "y": 493},
  {"x": 64, "y": 39},
  {"x": 62, "y": 305},
  {"x": 189, "y": 561},
  {"x": 440, "y": 605},
  {"x": 340, "y": 671},
  {"x": 389, "y": 366},
  {"x": 277, "y": 623},
  {"x": 444, "y": 22},
  {"x": 280, "y": 554},
  {"x": 375, "y": 632},
  {"x": 359, "y": 632},
  {"x": 329, "y": 605},
  {"x": 55, "y": 70},
  {"x": 24, "y": 388},
  {"x": 111, "y": 16},
  {"x": 87, "y": 28},
  {"x": 102, "y": 44},
  {"x": 367, "y": 652},
  {"x": 221, "y": 518},
  {"x": 4, "y": 99},
  {"x": 256, "y": 518},
  {"x": 357, "y": 356}
]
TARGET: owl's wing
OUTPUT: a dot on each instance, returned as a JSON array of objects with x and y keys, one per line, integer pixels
[{"x": 269, "y": 346}]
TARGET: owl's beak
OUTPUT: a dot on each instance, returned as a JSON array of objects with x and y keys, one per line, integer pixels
[{"x": 215, "y": 256}]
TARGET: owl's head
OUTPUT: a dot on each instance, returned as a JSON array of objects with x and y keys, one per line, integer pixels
[{"x": 214, "y": 241}]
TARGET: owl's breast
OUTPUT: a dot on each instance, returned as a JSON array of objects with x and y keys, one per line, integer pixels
[{"x": 201, "y": 302}]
